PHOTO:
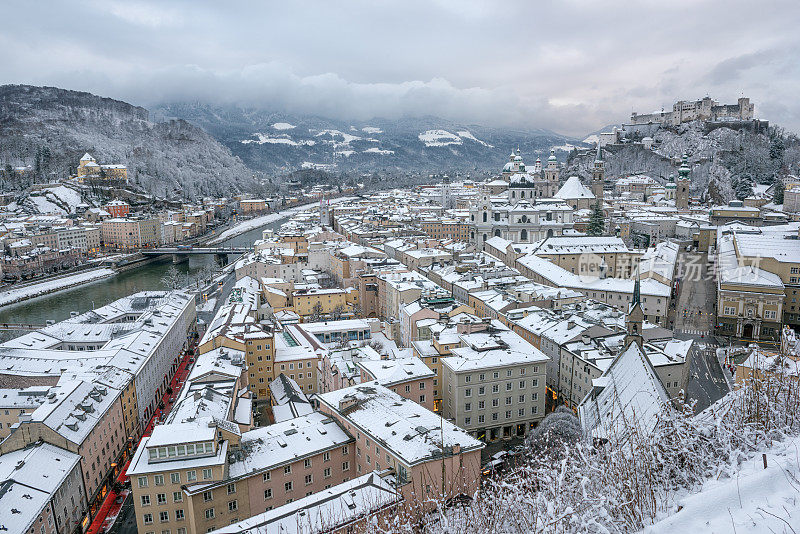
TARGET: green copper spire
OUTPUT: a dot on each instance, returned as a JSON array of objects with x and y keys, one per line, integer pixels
[{"x": 684, "y": 169}]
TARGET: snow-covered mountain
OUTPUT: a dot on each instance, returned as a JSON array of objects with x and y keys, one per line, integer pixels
[
  {"x": 161, "y": 157},
  {"x": 278, "y": 142}
]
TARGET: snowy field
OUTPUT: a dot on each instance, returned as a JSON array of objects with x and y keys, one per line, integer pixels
[
  {"x": 23, "y": 293},
  {"x": 258, "y": 222}
]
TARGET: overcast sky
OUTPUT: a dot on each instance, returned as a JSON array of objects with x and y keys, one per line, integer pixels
[{"x": 572, "y": 66}]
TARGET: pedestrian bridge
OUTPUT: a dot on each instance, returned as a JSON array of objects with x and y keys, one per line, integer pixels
[{"x": 196, "y": 250}]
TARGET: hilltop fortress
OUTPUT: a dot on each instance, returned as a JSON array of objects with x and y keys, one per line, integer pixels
[{"x": 706, "y": 109}]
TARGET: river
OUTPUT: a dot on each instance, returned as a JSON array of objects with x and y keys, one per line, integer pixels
[{"x": 57, "y": 306}]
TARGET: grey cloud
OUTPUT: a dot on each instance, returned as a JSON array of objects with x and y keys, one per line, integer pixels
[{"x": 569, "y": 66}]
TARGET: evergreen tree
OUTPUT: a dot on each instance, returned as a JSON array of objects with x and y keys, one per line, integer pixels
[
  {"x": 744, "y": 186},
  {"x": 596, "y": 220},
  {"x": 776, "y": 149},
  {"x": 777, "y": 195}
]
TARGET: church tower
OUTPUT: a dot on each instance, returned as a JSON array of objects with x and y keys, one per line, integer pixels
[
  {"x": 682, "y": 185},
  {"x": 598, "y": 175},
  {"x": 447, "y": 197},
  {"x": 325, "y": 212},
  {"x": 550, "y": 176},
  {"x": 635, "y": 317}
]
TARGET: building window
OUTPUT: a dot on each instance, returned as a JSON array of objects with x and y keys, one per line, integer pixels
[
  {"x": 161, "y": 498},
  {"x": 287, "y": 486},
  {"x": 309, "y": 479},
  {"x": 307, "y": 463},
  {"x": 179, "y": 516},
  {"x": 327, "y": 472},
  {"x": 467, "y": 421},
  {"x": 422, "y": 398},
  {"x": 209, "y": 513},
  {"x": 481, "y": 405},
  {"x": 233, "y": 506},
  {"x": 177, "y": 496},
  {"x": 345, "y": 466},
  {"x": 142, "y": 482},
  {"x": 231, "y": 488},
  {"x": 267, "y": 494},
  {"x": 148, "y": 519},
  {"x": 208, "y": 496},
  {"x": 326, "y": 456},
  {"x": 145, "y": 500},
  {"x": 191, "y": 476},
  {"x": 207, "y": 474},
  {"x": 175, "y": 478},
  {"x": 163, "y": 516},
  {"x": 468, "y": 392},
  {"x": 287, "y": 469},
  {"x": 481, "y": 390},
  {"x": 266, "y": 476},
  {"x": 467, "y": 407},
  {"x": 508, "y": 414},
  {"x": 158, "y": 480}
]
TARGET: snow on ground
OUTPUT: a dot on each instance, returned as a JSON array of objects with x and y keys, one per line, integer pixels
[
  {"x": 318, "y": 166},
  {"x": 592, "y": 139},
  {"x": 347, "y": 138},
  {"x": 44, "y": 206},
  {"x": 345, "y": 153},
  {"x": 258, "y": 222},
  {"x": 465, "y": 134},
  {"x": 282, "y": 139},
  {"x": 564, "y": 148},
  {"x": 51, "y": 286},
  {"x": 757, "y": 501},
  {"x": 66, "y": 195},
  {"x": 439, "y": 138},
  {"x": 59, "y": 200},
  {"x": 371, "y": 130},
  {"x": 375, "y": 150},
  {"x": 208, "y": 305},
  {"x": 283, "y": 126}
]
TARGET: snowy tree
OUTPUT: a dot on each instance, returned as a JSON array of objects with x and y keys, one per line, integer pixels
[
  {"x": 777, "y": 192},
  {"x": 557, "y": 430},
  {"x": 316, "y": 312},
  {"x": 596, "y": 220},
  {"x": 173, "y": 279},
  {"x": 743, "y": 186},
  {"x": 776, "y": 149}
]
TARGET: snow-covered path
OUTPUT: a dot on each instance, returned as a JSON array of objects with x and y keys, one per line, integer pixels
[{"x": 50, "y": 286}]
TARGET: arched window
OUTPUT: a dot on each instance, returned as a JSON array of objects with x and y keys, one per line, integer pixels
[
  {"x": 473, "y": 218},
  {"x": 497, "y": 233},
  {"x": 523, "y": 235},
  {"x": 513, "y": 194},
  {"x": 522, "y": 194},
  {"x": 484, "y": 216},
  {"x": 484, "y": 237}
]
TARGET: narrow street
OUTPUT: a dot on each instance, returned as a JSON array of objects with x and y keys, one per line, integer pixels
[
  {"x": 106, "y": 519},
  {"x": 694, "y": 319}
]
